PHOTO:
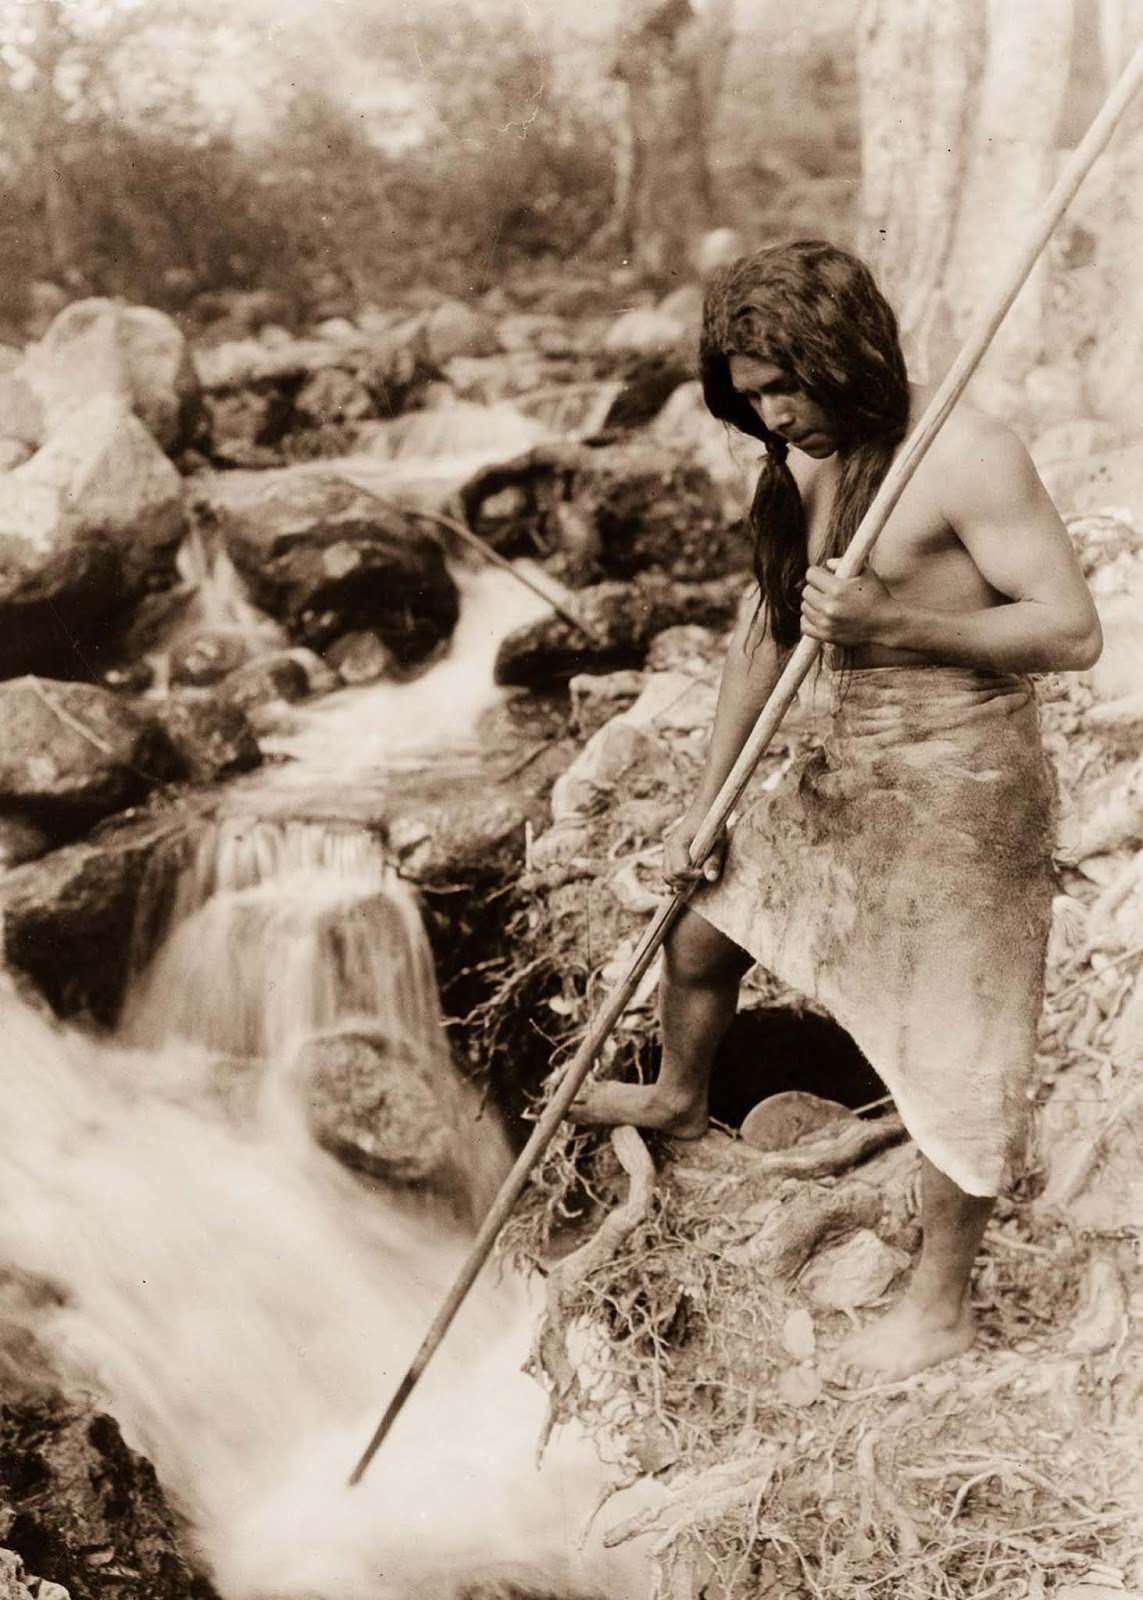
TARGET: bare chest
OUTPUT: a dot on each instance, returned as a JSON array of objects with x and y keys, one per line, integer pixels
[{"x": 918, "y": 551}]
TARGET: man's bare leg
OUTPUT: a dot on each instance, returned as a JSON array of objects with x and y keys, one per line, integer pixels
[
  {"x": 934, "y": 1319},
  {"x": 698, "y": 996}
]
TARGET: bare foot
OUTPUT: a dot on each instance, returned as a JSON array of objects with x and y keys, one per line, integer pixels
[
  {"x": 905, "y": 1340},
  {"x": 640, "y": 1105}
]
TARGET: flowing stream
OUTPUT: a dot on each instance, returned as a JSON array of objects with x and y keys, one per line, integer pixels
[{"x": 238, "y": 1300}]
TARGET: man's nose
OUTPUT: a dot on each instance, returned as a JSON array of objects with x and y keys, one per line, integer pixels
[{"x": 777, "y": 412}]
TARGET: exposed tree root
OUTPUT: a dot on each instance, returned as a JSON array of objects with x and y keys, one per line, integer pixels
[{"x": 550, "y": 1351}]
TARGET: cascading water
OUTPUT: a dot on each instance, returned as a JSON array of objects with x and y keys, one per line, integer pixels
[
  {"x": 240, "y": 1300},
  {"x": 243, "y": 1304}
]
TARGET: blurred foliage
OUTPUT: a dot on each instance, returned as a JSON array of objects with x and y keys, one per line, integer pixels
[{"x": 159, "y": 150}]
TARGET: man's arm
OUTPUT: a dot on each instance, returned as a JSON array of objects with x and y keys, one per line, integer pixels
[
  {"x": 995, "y": 503},
  {"x": 752, "y": 668}
]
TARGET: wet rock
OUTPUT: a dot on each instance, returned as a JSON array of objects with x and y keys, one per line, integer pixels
[
  {"x": 272, "y": 358},
  {"x": 332, "y": 396},
  {"x": 637, "y": 508},
  {"x": 648, "y": 384},
  {"x": 361, "y": 657},
  {"x": 67, "y": 918},
  {"x": 381, "y": 1109},
  {"x": 326, "y": 559},
  {"x": 622, "y": 618},
  {"x": 268, "y": 679},
  {"x": 211, "y": 737},
  {"x": 21, "y": 840},
  {"x": 239, "y": 311},
  {"x": 133, "y": 677},
  {"x": 208, "y": 657},
  {"x": 320, "y": 676},
  {"x": 243, "y": 424},
  {"x": 686, "y": 428},
  {"x": 104, "y": 475},
  {"x": 854, "y": 1272},
  {"x": 71, "y": 752},
  {"x": 461, "y": 839},
  {"x": 85, "y": 1511}
]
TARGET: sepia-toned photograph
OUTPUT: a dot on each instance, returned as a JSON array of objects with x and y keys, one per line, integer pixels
[{"x": 571, "y": 800}]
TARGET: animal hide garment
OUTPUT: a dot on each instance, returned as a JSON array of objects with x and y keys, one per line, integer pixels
[{"x": 900, "y": 875}]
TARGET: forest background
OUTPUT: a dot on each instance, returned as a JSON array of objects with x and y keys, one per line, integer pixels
[{"x": 168, "y": 150}]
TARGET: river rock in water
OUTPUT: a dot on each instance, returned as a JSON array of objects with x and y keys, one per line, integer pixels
[
  {"x": 208, "y": 657},
  {"x": 623, "y": 619},
  {"x": 84, "y": 1510},
  {"x": 382, "y": 1111},
  {"x": 210, "y": 736},
  {"x": 66, "y": 920},
  {"x": 636, "y": 508},
  {"x": 326, "y": 559},
  {"x": 71, "y": 753},
  {"x": 277, "y": 676}
]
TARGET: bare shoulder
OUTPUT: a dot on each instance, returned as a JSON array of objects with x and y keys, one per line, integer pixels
[{"x": 978, "y": 464}]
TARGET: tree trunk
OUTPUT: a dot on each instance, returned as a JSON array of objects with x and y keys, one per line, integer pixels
[
  {"x": 670, "y": 60},
  {"x": 960, "y": 106},
  {"x": 1012, "y": 162},
  {"x": 56, "y": 208},
  {"x": 1111, "y": 211},
  {"x": 916, "y": 69}
]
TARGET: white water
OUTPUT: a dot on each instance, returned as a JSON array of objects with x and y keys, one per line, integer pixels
[
  {"x": 240, "y": 1303},
  {"x": 356, "y": 734},
  {"x": 244, "y": 1308}
]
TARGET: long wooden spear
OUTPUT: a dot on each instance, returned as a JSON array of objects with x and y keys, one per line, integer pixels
[{"x": 796, "y": 670}]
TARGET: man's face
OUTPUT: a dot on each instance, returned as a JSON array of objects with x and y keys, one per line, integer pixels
[{"x": 782, "y": 407}]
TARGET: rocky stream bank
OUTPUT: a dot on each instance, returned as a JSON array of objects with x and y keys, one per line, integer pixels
[{"x": 202, "y": 543}]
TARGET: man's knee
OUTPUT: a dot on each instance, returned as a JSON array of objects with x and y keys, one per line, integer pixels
[{"x": 697, "y": 953}]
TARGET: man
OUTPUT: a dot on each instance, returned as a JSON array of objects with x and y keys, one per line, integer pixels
[{"x": 902, "y": 874}]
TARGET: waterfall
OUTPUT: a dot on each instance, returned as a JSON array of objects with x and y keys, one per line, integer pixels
[
  {"x": 280, "y": 929},
  {"x": 243, "y": 1304}
]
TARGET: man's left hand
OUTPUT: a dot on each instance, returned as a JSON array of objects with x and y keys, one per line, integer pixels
[{"x": 847, "y": 611}]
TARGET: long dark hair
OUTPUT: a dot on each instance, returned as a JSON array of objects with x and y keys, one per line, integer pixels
[{"x": 814, "y": 311}]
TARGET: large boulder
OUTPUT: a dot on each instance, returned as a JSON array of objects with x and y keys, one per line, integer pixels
[
  {"x": 612, "y": 512},
  {"x": 97, "y": 350},
  {"x": 71, "y": 753},
  {"x": 87, "y": 526},
  {"x": 385, "y": 1110},
  {"x": 621, "y": 619},
  {"x": 67, "y": 919},
  {"x": 327, "y": 558}
]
